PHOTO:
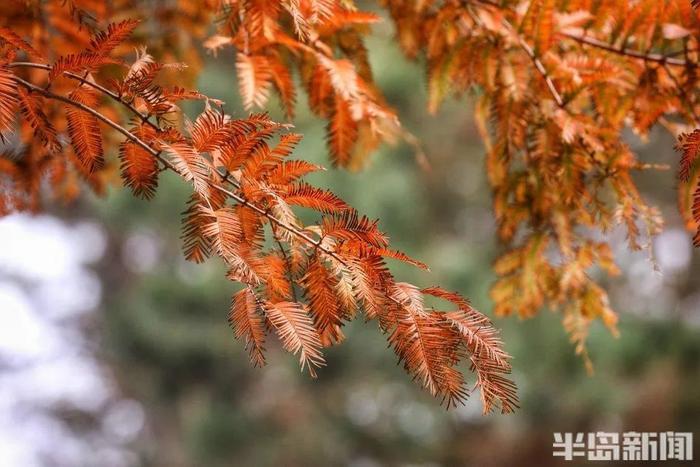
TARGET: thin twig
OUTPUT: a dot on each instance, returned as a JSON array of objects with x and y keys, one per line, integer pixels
[
  {"x": 116, "y": 97},
  {"x": 157, "y": 154},
  {"x": 539, "y": 66},
  {"x": 647, "y": 57},
  {"x": 274, "y": 221},
  {"x": 50, "y": 95},
  {"x": 92, "y": 84}
]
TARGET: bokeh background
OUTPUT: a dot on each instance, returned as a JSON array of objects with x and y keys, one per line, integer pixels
[{"x": 114, "y": 351}]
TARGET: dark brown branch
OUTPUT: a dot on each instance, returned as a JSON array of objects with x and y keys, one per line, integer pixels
[
  {"x": 114, "y": 96},
  {"x": 274, "y": 221},
  {"x": 264, "y": 212},
  {"x": 647, "y": 57},
  {"x": 593, "y": 42},
  {"x": 96, "y": 114},
  {"x": 92, "y": 84}
]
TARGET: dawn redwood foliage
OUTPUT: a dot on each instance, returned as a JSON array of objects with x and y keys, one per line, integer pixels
[
  {"x": 75, "y": 98},
  {"x": 88, "y": 96}
]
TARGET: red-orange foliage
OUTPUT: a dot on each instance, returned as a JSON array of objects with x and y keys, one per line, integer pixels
[
  {"x": 556, "y": 83},
  {"x": 314, "y": 278}
]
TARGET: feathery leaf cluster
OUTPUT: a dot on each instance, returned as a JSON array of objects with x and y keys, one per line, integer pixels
[{"x": 301, "y": 282}]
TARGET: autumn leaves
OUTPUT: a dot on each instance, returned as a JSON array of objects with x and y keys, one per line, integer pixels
[
  {"x": 301, "y": 282},
  {"x": 557, "y": 83},
  {"x": 557, "y": 86},
  {"x": 339, "y": 90}
]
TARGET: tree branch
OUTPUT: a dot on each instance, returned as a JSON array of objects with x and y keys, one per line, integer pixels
[
  {"x": 274, "y": 221},
  {"x": 92, "y": 84},
  {"x": 593, "y": 42},
  {"x": 647, "y": 57},
  {"x": 157, "y": 154},
  {"x": 539, "y": 66},
  {"x": 114, "y": 96}
]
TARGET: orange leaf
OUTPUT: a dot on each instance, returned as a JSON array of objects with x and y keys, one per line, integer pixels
[
  {"x": 8, "y": 100},
  {"x": 297, "y": 333},
  {"x": 254, "y": 79},
  {"x": 247, "y": 323},
  {"x": 84, "y": 130},
  {"x": 342, "y": 133}
]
